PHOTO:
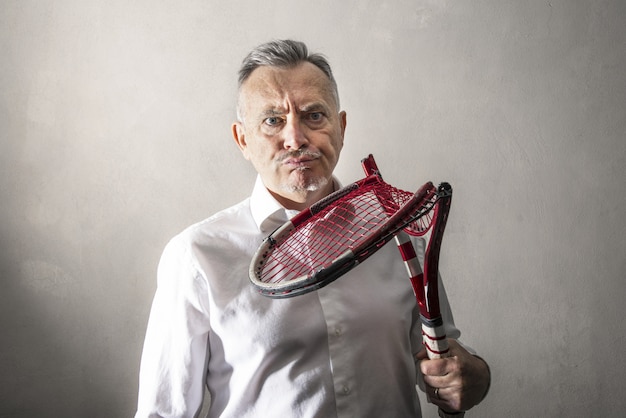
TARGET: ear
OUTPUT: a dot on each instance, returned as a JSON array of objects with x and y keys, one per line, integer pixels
[
  {"x": 239, "y": 135},
  {"x": 343, "y": 121}
]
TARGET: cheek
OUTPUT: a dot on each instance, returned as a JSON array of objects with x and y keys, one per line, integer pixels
[
  {"x": 259, "y": 154},
  {"x": 337, "y": 145}
]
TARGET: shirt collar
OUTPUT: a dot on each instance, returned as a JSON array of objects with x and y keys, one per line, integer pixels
[{"x": 267, "y": 213}]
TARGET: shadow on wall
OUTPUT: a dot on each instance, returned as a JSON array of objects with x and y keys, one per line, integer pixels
[{"x": 62, "y": 350}]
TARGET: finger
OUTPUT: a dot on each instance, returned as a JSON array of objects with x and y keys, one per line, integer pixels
[
  {"x": 436, "y": 396},
  {"x": 444, "y": 398},
  {"x": 437, "y": 381},
  {"x": 435, "y": 367}
]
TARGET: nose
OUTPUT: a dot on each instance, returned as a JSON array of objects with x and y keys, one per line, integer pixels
[{"x": 294, "y": 136}]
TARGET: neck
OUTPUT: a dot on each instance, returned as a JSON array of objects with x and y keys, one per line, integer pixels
[{"x": 300, "y": 200}]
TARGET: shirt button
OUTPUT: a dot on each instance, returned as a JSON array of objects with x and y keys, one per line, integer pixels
[
  {"x": 337, "y": 331},
  {"x": 346, "y": 390}
]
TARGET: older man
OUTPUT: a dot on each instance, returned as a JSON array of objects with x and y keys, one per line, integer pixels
[{"x": 352, "y": 349}]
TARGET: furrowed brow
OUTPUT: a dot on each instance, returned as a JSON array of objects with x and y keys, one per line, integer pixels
[
  {"x": 270, "y": 113},
  {"x": 314, "y": 107}
]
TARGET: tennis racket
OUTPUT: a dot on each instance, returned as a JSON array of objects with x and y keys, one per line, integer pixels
[{"x": 334, "y": 235}]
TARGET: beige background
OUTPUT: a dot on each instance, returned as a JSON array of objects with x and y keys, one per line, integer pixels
[{"x": 114, "y": 135}]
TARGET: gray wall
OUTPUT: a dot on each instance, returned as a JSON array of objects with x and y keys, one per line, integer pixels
[{"x": 114, "y": 135}]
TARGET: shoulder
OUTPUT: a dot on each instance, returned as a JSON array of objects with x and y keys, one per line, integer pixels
[
  {"x": 226, "y": 234},
  {"x": 220, "y": 225},
  {"x": 210, "y": 255}
]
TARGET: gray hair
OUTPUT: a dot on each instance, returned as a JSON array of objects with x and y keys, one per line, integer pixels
[{"x": 283, "y": 53}]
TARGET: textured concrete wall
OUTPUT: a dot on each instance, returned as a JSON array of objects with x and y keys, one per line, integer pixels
[{"x": 114, "y": 135}]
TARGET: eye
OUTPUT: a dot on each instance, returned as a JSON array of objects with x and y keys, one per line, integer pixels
[
  {"x": 315, "y": 117},
  {"x": 272, "y": 121}
]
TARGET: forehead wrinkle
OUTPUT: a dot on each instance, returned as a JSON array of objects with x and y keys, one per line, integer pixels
[{"x": 283, "y": 90}]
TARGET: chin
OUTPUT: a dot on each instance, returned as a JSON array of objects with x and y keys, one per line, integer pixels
[{"x": 311, "y": 184}]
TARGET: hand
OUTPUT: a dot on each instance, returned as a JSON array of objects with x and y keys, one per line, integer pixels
[{"x": 455, "y": 383}]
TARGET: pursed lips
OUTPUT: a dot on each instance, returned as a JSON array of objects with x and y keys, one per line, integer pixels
[
  {"x": 303, "y": 161},
  {"x": 298, "y": 161}
]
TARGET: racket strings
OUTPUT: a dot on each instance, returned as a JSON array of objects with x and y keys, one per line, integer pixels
[
  {"x": 392, "y": 199},
  {"x": 333, "y": 230}
]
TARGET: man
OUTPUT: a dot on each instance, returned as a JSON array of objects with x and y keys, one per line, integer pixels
[{"x": 351, "y": 349}]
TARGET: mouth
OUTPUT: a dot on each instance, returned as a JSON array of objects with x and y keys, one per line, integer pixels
[{"x": 300, "y": 161}]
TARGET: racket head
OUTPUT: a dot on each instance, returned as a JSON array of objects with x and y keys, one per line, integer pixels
[{"x": 325, "y": 241}]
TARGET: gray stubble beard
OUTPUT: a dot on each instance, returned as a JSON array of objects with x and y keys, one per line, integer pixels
[{"x": 312, "y": 185}]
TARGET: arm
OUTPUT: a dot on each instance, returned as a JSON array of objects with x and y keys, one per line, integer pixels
[
  {"x": 175, "y": 348},
  {"x": 456, "y": 383}
]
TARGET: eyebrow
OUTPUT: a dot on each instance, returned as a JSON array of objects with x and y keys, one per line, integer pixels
[
  {"x": 271, "y": 112},
  {"x": 311, "y": 107},
  {"x": 316, "y": 106}
]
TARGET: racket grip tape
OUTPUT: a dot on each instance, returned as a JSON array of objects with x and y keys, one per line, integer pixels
[{"x": 434, "y": 338}]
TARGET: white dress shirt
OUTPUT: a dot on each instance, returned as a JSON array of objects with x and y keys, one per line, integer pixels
[{"x": 346, "y": 350}]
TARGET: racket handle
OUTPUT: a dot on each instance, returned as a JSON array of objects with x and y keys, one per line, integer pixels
[
  {"x": 434, "y": 336},
  {"x": 437, "y": 347}
]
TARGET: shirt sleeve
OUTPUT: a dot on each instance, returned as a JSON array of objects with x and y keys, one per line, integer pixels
[
  {"x": 446, "y": 313},
  {"x": 176, "y": 351}
]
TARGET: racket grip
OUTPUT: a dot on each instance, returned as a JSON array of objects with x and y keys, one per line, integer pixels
[{"x": 434, "y": 337}]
